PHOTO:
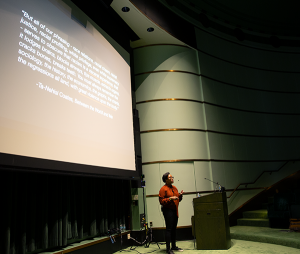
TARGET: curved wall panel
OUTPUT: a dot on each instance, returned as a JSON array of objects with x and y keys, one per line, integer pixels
[
  {"x": 252, "y": 94},
  {"x": 171, "y": 72},
  {"x": 241, "y": 102},
  {"x": 242, "y": 148},
  {"x": 248, "y": 77},
  {"x": 173, "y": 145},
  {"x": 159, "y": 81},
  {"x": 161, "y": 85},
  {"x": 248, "y": 99},
  {"x": 230, "y": 174},
  {"x": 259, "y": 88},
  {"x": 248, "y": 123},
  {"x": 171, "y": 114},
  {"x": 165, "y": 57},
  {"x": 240, "y": 54}
]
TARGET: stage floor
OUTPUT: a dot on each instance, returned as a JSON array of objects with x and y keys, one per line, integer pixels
[
  {"x": 244, "y": 239},
  {"x": 237, "y": 247}
]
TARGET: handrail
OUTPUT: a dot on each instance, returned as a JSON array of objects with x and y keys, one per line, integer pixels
[
  {"x": 266, "y": 171},
  {"x": 236, "y": 188},
  {"x": 209, "y": 191}
]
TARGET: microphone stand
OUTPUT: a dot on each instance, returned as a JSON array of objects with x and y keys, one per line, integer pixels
[
  {"x": 149, "y": 236},
  {"x": 221, "y": 188}
]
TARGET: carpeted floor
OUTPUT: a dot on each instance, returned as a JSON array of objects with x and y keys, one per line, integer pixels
[
  {"x": 244, "y": 239},
  {"x": 266, "y": 235},
  {"x": 237, "y": 247}
]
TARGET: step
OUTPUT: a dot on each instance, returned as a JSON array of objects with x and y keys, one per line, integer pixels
[
  {"x": 253, "y": 222},
  {"x": 259, "y": 214}
]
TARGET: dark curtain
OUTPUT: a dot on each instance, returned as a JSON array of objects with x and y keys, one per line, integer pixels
[{"x": 41, "y": 211}]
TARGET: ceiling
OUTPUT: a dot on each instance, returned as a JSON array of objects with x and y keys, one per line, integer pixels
[
  {"x": 267, "y": 16},
  {"x": 263, "y": 21}
]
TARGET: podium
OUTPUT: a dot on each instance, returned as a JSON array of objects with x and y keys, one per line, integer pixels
[{"x": 211, "y": 225}]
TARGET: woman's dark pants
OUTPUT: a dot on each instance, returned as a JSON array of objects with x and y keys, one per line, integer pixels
[{"x": 171, "y": 220}]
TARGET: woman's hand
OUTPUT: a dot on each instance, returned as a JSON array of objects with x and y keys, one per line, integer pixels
[
  {"x": 181, "y": 192},
  {"x": 173, "y": 198}
]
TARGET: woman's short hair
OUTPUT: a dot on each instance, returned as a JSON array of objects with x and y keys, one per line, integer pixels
[{"x": 165, "y": 176}]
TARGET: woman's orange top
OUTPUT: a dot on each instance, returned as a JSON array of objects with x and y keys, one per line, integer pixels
[{"x": 165, "y": 193}]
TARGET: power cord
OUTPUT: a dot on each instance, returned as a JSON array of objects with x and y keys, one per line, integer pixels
[{"x": 133, "y": 248}]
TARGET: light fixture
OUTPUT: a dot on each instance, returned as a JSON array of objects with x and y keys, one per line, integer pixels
[
  {"x": 125, "y": 9},
  {"x": 150, "y": 29}
]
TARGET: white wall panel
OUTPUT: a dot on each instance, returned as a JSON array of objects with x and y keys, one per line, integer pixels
[
  {"x": 268, "y": 179},
  {"x": 221, "y": 147},
  {"x": 186, "y": 211},
  {"x": 227, "y": 146},
  {"x": 284, "y": 148},
  {"x": 218, "y": 119},
  {"x": 247, "y": 99},
  {"x": 248, "y": 123},
  {"x": 171, "y": 114},
  {"x": 248, "y": 77},
  {"x": 239, "y": 198},
  {"x": 240, "y": 148},
  {"x": 219, "y": 93},
  {"x": 203, "y": 170},
  {"x": 240, "y": 54},
  {"x": 183, "y": 173},
  {"x": 245, "y": 71},
  {"x": 241, "y": 122},
  {"x": 152, "y": 178},
  {"x": 167, "y": 85},
  {"x": 231, "y": 174},
  {"x": 215, "y": 146},
  {"x": 258, "y": 148},
  {"x": 283, "y": 125},
  {"x": 280, "y": 102},
  {"x": 172, "y": 145},
  {"x": 154, "y": 212},
  {"x": 252, "y": 148},
  {"x": 219, "y": 174},
  {"x": 231, "y": 171},
  {"x": 165, "y": 57}
]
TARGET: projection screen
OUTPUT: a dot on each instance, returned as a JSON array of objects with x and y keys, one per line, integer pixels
[{"x": 65, "y": 93}]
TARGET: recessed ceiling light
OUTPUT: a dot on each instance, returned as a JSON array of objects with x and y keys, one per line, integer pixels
[
  {"x": 125, "y": 9},
  {"x": 150, "y": 29}
]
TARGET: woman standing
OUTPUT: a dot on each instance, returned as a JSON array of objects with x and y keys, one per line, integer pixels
[{"x": 169, "y": 198}]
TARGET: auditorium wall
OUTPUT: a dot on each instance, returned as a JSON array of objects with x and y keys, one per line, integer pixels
[{"x": 226, "y": 111}]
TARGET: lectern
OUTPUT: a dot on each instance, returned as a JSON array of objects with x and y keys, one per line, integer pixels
[{"x": 211, "y": 222}]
